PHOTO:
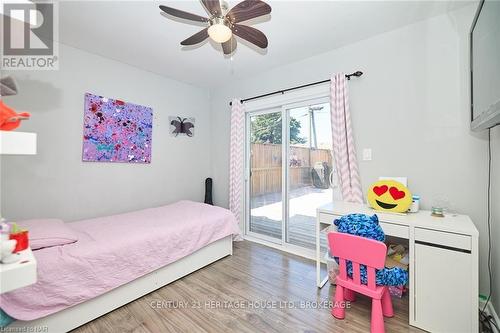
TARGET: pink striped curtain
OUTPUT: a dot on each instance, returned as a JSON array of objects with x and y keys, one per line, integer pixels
[
  {"x": 236, "y": 158},
  {"x": 344, "y": 152}
]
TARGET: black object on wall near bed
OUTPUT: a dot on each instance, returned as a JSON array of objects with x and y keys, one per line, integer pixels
[{"x": 208, "y": 191}]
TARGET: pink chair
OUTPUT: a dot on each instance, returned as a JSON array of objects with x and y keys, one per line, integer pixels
[{"x": 360, "y": 251}]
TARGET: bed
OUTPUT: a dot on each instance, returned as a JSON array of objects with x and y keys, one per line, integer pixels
[{"x": 118, "y": 259}]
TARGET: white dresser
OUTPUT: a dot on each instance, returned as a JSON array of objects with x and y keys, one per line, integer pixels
[{"x": 444, "y": 254}]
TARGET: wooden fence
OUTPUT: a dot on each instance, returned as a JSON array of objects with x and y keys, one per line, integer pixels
[{"x": 266, "y": 166}]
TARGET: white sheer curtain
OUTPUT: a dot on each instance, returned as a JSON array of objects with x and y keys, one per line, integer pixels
[{"x": 344, "y": 151}]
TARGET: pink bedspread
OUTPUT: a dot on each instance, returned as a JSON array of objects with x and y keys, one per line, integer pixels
[{"x": 114, "y": 250}]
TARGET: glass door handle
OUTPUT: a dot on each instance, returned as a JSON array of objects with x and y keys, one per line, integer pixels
[{"x": 248, "y": 175}]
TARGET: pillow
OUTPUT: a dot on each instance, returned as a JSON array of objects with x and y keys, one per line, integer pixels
[
  {"x": 47, "y": 233},
  {"x": 360, "y": 225}
]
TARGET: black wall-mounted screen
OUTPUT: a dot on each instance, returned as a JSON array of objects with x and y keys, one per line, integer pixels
[{"x": 485, "y": 66}]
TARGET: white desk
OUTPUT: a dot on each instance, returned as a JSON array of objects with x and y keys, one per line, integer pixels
[
  {"x": 443, "y": 266},
  {"x": 18, "y": 274}
]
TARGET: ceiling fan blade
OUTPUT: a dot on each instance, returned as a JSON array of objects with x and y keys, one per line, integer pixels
[
  {"x": 250, "y": 34},
  {"x": 212, "y": 7},
  {"x": 196, "y": 38},
  {"x": 229, "y": 46},
  {"x": 182, "y": 14},
  {"x": 248, "y": 9}
]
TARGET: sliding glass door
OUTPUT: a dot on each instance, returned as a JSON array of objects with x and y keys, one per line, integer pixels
[
  {"x": 265, "y": 186},
  {"x": 289, "y": 172},
  {"x": 310, "y": 170}
]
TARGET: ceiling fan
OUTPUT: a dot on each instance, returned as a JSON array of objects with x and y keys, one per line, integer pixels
[{"x": 223, "y": 24}]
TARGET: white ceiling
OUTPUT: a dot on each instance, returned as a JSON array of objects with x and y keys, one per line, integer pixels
[{"x": 137, "y": 34}]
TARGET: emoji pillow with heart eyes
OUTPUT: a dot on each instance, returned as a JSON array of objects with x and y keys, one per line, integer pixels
[{"x": 389, "y": 195}]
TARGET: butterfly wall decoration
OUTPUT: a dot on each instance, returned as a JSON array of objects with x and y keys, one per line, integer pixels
[{"x": 181, "y": 126}]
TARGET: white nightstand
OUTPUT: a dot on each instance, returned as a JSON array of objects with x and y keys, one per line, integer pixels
[{"x": 18, "y": 274}]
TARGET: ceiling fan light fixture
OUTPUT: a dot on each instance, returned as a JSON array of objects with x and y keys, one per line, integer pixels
[
  {"x": 222, "y": 24},
  {"x": 219, "y": 30}
]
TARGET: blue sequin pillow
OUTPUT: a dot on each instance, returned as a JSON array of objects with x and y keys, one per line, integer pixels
[{"x": 360, "y": 225}]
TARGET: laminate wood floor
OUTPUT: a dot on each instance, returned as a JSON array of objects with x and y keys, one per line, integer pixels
[{"x": 258, "y": 289}]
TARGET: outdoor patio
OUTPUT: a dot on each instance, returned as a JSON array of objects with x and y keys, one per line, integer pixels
[{"x": 266, "y": 216}]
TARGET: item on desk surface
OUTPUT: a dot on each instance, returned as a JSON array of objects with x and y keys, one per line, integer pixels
[
  {"x": 402, "y": 180},
  {"x": 437, "y": 211},
  {"x": 415, "y": 205},
  {"x": 389, "y": 196}
]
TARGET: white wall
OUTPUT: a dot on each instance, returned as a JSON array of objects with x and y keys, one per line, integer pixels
[
  {"x": 411, "y": 107},
  {"x": 56, "y": 183}
]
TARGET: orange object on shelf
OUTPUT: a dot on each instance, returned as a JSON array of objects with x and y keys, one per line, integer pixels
[
  {"x": 10, "y": 119},
  {"x": 22, "y": 240}
]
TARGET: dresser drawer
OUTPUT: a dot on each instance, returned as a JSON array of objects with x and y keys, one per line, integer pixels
[{"x": 447, "y": 239}]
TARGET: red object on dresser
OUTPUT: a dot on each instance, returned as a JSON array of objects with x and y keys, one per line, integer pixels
[{"x": 22, "y": 240}]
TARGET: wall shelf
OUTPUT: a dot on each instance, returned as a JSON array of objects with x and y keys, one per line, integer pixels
[
  {"x": 20, "y": 273},
  {"x": 17, "y": 143}
]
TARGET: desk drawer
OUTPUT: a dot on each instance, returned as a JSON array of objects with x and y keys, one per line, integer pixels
[
  {"x": 395, "y": 230},
  {"x": 447, "y": 239},
  {"x": 390, "y": 229},
  {"x": 325, "y": 218}
]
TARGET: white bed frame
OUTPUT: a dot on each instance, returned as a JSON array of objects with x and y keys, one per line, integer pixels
[{"x": 73, "y": 317}]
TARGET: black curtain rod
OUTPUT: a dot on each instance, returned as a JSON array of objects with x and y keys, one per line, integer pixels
[{"x": 348, "y": 76}]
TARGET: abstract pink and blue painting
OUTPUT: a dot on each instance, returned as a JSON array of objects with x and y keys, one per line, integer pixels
[{"x": 116, "y": 131}]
